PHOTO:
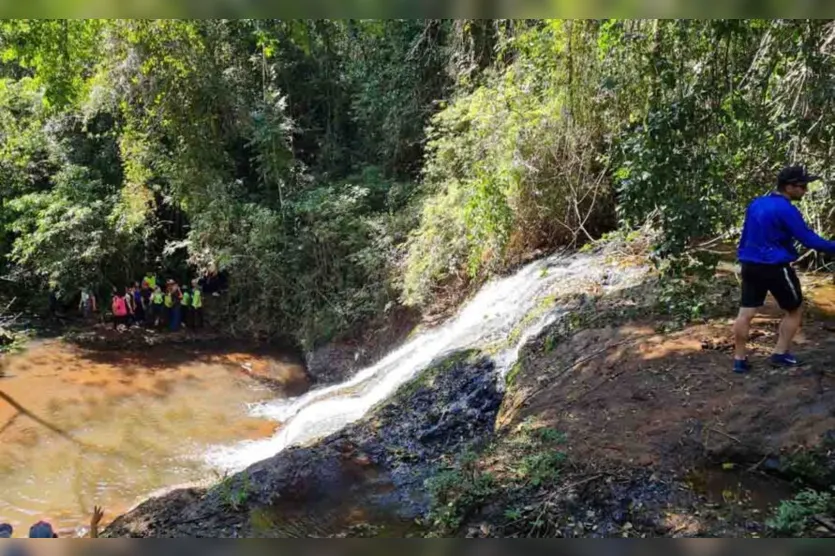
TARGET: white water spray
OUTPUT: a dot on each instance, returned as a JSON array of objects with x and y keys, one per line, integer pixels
[{"x": 512, "y": 303}]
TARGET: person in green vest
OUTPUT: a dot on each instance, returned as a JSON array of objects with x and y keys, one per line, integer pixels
[
  {"x": 158, "y": 304},
  {"x": 186, "y": 303},
  {"x": 151, "y": 280},
  {"x": 174, "y": 301},
  {"x": 196, "y": 305},
  {"x": 168, "y": 301}
]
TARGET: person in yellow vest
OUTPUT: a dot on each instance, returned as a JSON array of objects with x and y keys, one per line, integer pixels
[
  {"x": 196, "y": 305},
  {"x": 174, "y": 305},
  {"x": 158, "y": 306},
  {"x": 186, "y": 303},
  {"x": 169, "y": 303},
  {"x": 151, "y": 280}
]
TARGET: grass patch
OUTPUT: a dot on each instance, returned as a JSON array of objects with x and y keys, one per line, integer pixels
[
  {"x": 522, "y": 463},
  {"x": 456, "y": 492},
  {"x": 234, "y": 494}
]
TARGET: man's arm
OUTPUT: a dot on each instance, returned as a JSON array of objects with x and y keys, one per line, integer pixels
[
  {"x": 802, "y": 233},
  {"x": 94, "y": 522}
]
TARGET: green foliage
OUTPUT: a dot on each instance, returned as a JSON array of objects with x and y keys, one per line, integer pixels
[
  {"x": 234, "y": 493},
  {"x": 457, "y": 492},
  {"x": 550, "y": 436},
  {"x": 265, "y": 148},
  {"x": 332, "y": 167},
  {"x": 541, "y": 468},
  {"x": 812, "y": 466},
  {"x": 538, "y": 462},
  {"x": 794, "y": 517},
  {"x": 512, "y": 164},
  {"x": 530, "y": 460},
  {"x": 514, "y": 371},
  {"x": 58, "y": 53},
  {"x": 709, "y": 127},
  {"x": 10, "y": 342}
]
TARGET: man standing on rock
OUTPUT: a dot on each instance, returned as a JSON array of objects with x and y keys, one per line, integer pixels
[{"x": 766, "y": 250}]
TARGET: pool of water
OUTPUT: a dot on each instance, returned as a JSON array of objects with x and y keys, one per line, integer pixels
[
  {"x": 81, "y": 427},
  {"x": 733, "y": 486}
]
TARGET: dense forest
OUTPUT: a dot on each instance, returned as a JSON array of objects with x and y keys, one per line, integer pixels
[{"x": 336, "y": 168}]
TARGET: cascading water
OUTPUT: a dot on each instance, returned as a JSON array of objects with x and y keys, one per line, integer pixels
[{"x": 509, "y": 307}]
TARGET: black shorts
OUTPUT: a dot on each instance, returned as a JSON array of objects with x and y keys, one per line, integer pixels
[{"x": 779, "y": 279}]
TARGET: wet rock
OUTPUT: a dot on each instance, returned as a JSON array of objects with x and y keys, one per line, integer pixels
[
  {"x": 334, "y": 363},
  {"x": 771, "y": 463},
  {"x": 375, "y": 468},
  {"x": 340, "y": 359}
]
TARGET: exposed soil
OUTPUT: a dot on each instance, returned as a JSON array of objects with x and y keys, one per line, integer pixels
[
  {"x": 637, "y": 397},
  {"x": 663, "y": 439}
]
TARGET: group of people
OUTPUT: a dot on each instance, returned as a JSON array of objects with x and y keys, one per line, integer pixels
[
  {"x": 44, "y": 530},
  {"x": 158, "y": 305},
  {"x": 152, "y": 304}
]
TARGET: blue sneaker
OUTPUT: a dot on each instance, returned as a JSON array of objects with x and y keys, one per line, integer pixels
[
  {"x": 784, "y": 360},
  {"x": 741, "y": 366}
]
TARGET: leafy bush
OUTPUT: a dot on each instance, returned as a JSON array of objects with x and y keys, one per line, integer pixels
[
  {"x": 541, "y": 467},
  {"x": 707, "y": 133},
  {"x": 455, "y": 493},
  {"x": 512, "y": 165},
  {"x": 793, "y": 517},
  {"x": 296, "y": 155}
]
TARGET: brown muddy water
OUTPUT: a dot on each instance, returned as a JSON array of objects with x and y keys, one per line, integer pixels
[{"x": 80, "y": 428}]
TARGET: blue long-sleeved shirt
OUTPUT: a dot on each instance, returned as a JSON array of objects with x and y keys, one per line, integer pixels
[{"x": 772, "y": 226}]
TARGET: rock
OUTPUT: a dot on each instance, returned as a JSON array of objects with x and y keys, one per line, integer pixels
[
  {"x": 340, "y": 359},
  {"x": 376, "y": 467},
  {"x": 771, "y": 463}
]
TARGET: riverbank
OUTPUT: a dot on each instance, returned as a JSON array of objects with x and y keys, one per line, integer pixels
[
  {"x": 369, "y": 475},
  {"x": 657, "y": 436},
  {"x": 606, "y": 427}
]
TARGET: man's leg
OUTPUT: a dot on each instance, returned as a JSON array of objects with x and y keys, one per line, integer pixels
[
  {"x": 787, "y": 290},
  {"x": 788, "y": 329},
  {"x": 742, "y": 326},
  {"x": 754, "y": 289}
]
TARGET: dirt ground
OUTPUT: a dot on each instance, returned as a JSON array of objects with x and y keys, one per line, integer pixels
[
  {"x": 662, "y": 438},
  {"x": 629, "y": 395}
]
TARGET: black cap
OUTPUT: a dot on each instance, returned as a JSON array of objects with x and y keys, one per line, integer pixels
[{"x": 795, "y": 175}]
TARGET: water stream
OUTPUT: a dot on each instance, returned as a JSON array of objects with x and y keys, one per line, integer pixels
[
  {"x": 112, "y": 427},
  {"x": 502, "y": 316},
  {"x": 82, "y": 427}
]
